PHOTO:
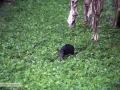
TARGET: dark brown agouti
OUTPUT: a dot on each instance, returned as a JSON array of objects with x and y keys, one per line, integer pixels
[{"x": 65, "y": 50}]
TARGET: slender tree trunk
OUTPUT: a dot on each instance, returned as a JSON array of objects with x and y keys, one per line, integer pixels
[
  {"x": 73, "y": 13},
  {"x": 117, "y": 14},
  {"x": 92, "y": 10}
]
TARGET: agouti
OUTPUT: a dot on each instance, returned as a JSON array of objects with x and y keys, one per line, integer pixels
[{"x": 65, "y": 50}]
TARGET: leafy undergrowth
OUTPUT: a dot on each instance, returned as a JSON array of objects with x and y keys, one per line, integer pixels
[{"x": 31, "y": 32}]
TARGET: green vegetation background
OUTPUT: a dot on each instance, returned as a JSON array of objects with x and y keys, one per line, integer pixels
[{"x": 32, "y": 31}]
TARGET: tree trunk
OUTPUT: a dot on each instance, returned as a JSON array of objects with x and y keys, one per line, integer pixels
[
  {"x": 92, "y": 10},
  {"x": 73, "y": 13},
  {"x": 117, "y": 14}
]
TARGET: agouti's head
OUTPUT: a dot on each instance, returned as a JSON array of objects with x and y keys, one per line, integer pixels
[{"x": 61, "y": 54}]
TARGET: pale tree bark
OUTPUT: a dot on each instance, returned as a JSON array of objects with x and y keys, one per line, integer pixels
[
  {"x": 73, "y": 13},
  {"x": 92, "y": 10},
  {"x": 87, "y": 8}
]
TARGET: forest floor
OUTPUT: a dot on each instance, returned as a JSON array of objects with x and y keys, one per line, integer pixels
[{"x": 32, "y": 32}]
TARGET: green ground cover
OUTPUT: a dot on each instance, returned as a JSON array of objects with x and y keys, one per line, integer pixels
[{"x": 32, "y": 31}]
